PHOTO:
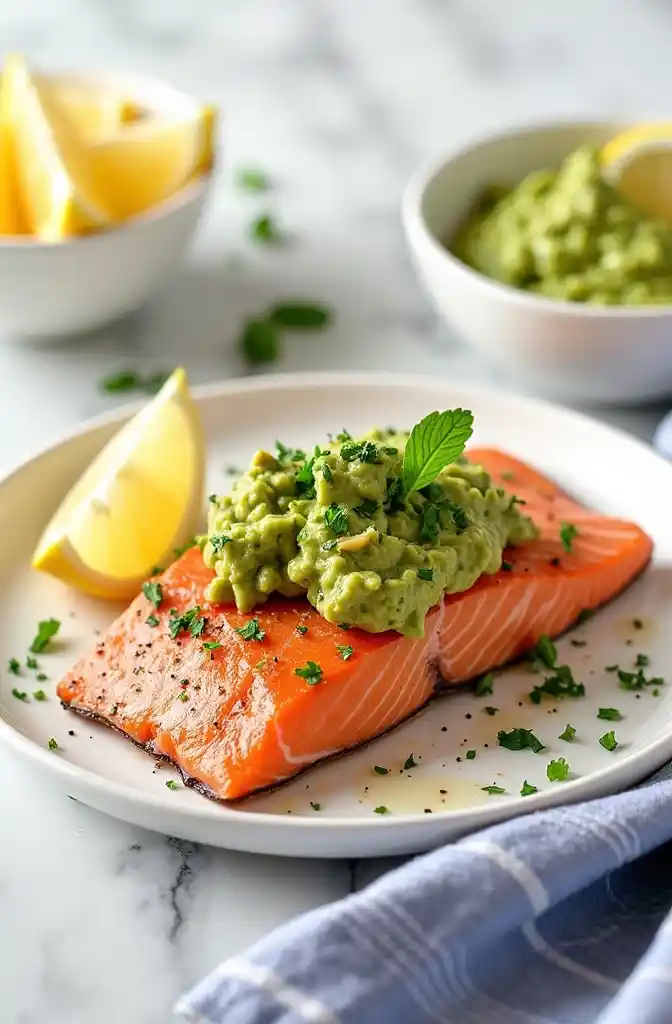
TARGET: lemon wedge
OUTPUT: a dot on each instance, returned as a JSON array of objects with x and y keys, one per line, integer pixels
[
  {"x": 95, "y": 113},
  {"x": 12, "y": 221},
  {"x": 50, "y": 160},
  {"x": 639, "y": 164},
  {"x": 139, "y": 500},
  {"x": 149, "y": 160}
]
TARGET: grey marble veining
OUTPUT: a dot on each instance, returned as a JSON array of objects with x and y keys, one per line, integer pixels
[{"x": 338, "y": 101}]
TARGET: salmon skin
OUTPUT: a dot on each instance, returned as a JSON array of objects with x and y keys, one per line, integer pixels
[{"x": 236, "y": 718}]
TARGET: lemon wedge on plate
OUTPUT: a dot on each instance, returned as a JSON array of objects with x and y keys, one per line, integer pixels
[
  {"x": 638, "y": 163},
  {"x": 141, "y": 498},
  {"x": 52, "y": 172},
  {"x": 96, "y": 113}
]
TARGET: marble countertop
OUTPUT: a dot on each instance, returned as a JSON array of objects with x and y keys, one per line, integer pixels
[{"x": 102, "y": 921}]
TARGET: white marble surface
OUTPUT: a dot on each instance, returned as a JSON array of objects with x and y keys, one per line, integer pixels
[{"x": 98, "y": 920}]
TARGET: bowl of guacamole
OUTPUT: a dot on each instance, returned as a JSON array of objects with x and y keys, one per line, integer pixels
[{"x": 536, "y": 261}]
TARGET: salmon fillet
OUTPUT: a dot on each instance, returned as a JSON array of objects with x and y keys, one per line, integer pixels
[{"x": 236, "y": 718}]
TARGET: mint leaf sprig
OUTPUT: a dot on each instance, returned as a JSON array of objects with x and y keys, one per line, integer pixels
[{"x": 435, "y": 442}]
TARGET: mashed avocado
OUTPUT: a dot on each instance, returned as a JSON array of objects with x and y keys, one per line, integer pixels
[
  {"x": 567, "y": 234},
  {"x": 335, "y": 525}
]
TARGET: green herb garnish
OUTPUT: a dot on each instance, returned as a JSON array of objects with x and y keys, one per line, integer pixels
[
  {"x": 14, "y": 666},
  {"x": 409, "y": 763},
  {"x": 19, "y": 694},
  {"x": 252, "y": 180},
  {"x": 544, "y": 652},
  {"x": 610, "y": 714},
  {"x": 251, "y": 630},
  {"x": 484, "y": 684},
  {"x": 642, "y": 661},
  {"x": 41, "y": 677},
  {"x": 426, "y": 574},
  {"x": 367, "y": 509},
  {"x": 345, "y": 651},
  {"x": 490, "y": 710},
  {"x": 329, "y": 476},
  {"x": 300, "y": 316},
  {"x": 218, "y": 542},
  {"x": 265, "y": 229},
  {"x": 336, "y": 518},
  {"x": 379, "y": 770},
  {"x": 557, "y": 771},
  {"x": 192, "y": 621},
  {"x": 365, "y": 451},
  {"x": 470, "y": 755},
  {"x": 52, "y": 744},
  {"x": 129, "y": 380},
  {"x": 608, "y": 741},
  {"x": 380, "y": 810},
  {"x": 39, "y": 695},
  {"x": 637, "y": 680},
  {"x": 211, "y": 645},
  {"x": 434, "y": 442},
  {"x": 153, "y": 592},
  {"x": 519, "y": 739},
  {"x": 561, "y": 684},
  {"x": 568, "y": 735},
  {"x": 302, "y": 630},
  {"x": 260, "y": 340},
  {"x": 493, "y": 789},
  {"x": 171, "y": 784},
  {"x": 526, "y": 789},
  {"x": 46, "y": 629},
  {"x": 31, "y": 663},
  {"x": 567, "y": 534},
  {"x": 152, "y": 620},
  {"x": 311, "y": 672},
  {"x": 316, "y": 807}
]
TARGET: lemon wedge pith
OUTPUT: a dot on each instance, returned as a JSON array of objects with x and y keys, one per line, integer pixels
[
  {"x": 639, "y": 164},
  {"x": 138, "y": 500}
]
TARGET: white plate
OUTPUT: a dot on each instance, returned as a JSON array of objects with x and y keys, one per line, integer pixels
[{"x": 603, "y": 467}]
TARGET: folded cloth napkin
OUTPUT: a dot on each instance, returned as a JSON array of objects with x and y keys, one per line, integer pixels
[{"x": 558, "y": 917}]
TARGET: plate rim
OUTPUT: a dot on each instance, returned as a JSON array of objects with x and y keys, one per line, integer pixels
[{"x": 589, "y": 786}]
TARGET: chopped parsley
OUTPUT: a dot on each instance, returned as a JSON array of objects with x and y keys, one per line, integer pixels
[
  {"x": 608, "y": 741},
  {"x": 129, "y": 380},
  {"x": 379, "y": 770},
  {"x": 426, "y": 574},
  {"x": 152, "y": 620},
  {"x": 345, "y": 651},
  {"x": 52, "y": 744},
  {"x": 39, "y": 695},
  {"x": 171, "y": 784},
  {"x": 493, "y": 789},
  {"x": 153, "y": 592},
  {"x": 526, "y": 789},
  {"x": 251, "y": 630},
  {"x": 316, "y": 807},
  {"x": 568, "y": 735},
  {"x": 365, "y": 451},
  {"x": 544, "y": 652},
  {"x": 394, "y": 496},
  {"x": 252, "y": 180},
  {"x": 14, "y": 666},
  {"x": 265, "y": 229},
  {"x": 336, "y": 518},
  {"x": 19, "y": 694},
  {"x": 289, "y": 454},
  {"x": 507, "y": 566},
  {"x": 519, "y": 739},
  {"x": 610, "y": 714},
  {"x": 156, "y": 570},
  {"x": 183, "y": 696},
  {"x": 218, "y": 542},
  {"x": 567, "y": 534},
  {"x": 562, "y": 684},
  {"x": 41, "y": 677},
  {"x": 642, "y": 661},
  {"x": 429, "y": 529},
  {"x": 302, "y": 630},
  {"x": 311, "y": 672},
  {"x": 260, "y": 340},
  {"x": 380, "y": 810},
  {"x": 211, "y": 645},
  {"x": 192, "y": 621},
  {"x": 490, "y": 710},
  {"x": 409, "y": 763},
  {"x": 46, "y": 629},
  {"x": 31, "y": 663},
  {"x": 484, "y": 684},
  {"x": 329, "y": 476},
  {"x": 301, "y": 316},
  {"x": 470, "y": 755},
  {"x": 637, "y": 680},
  {"x": 367, "y": 509},
  {"x": 344, "y": 626},
  {"x": 557, "y": 771}
]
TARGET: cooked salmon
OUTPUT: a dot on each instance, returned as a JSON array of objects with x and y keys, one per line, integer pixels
[{"x": 232, "y": 712}]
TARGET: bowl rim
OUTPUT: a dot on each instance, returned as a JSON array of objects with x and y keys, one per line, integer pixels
[
  {"x": 192, "y": 191},
  {"x": 415, "y": 225}
]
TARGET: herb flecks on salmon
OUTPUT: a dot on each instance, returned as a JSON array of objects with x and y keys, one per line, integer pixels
[{"x": 245, "y": 729}]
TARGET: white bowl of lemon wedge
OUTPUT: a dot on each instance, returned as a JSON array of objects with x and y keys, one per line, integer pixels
[
  {"x": 102, "y": 182},
  {"x": 568, "y": 350}
]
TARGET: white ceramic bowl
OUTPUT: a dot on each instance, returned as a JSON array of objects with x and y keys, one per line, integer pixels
[
  {"x": 561, "y": 349},
  {"x": 47, "y": 290}
]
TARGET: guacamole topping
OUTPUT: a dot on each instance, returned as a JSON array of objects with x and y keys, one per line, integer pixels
[
  {"x": 567, "y": 234},
  {"x": 337, "y": 526}
]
